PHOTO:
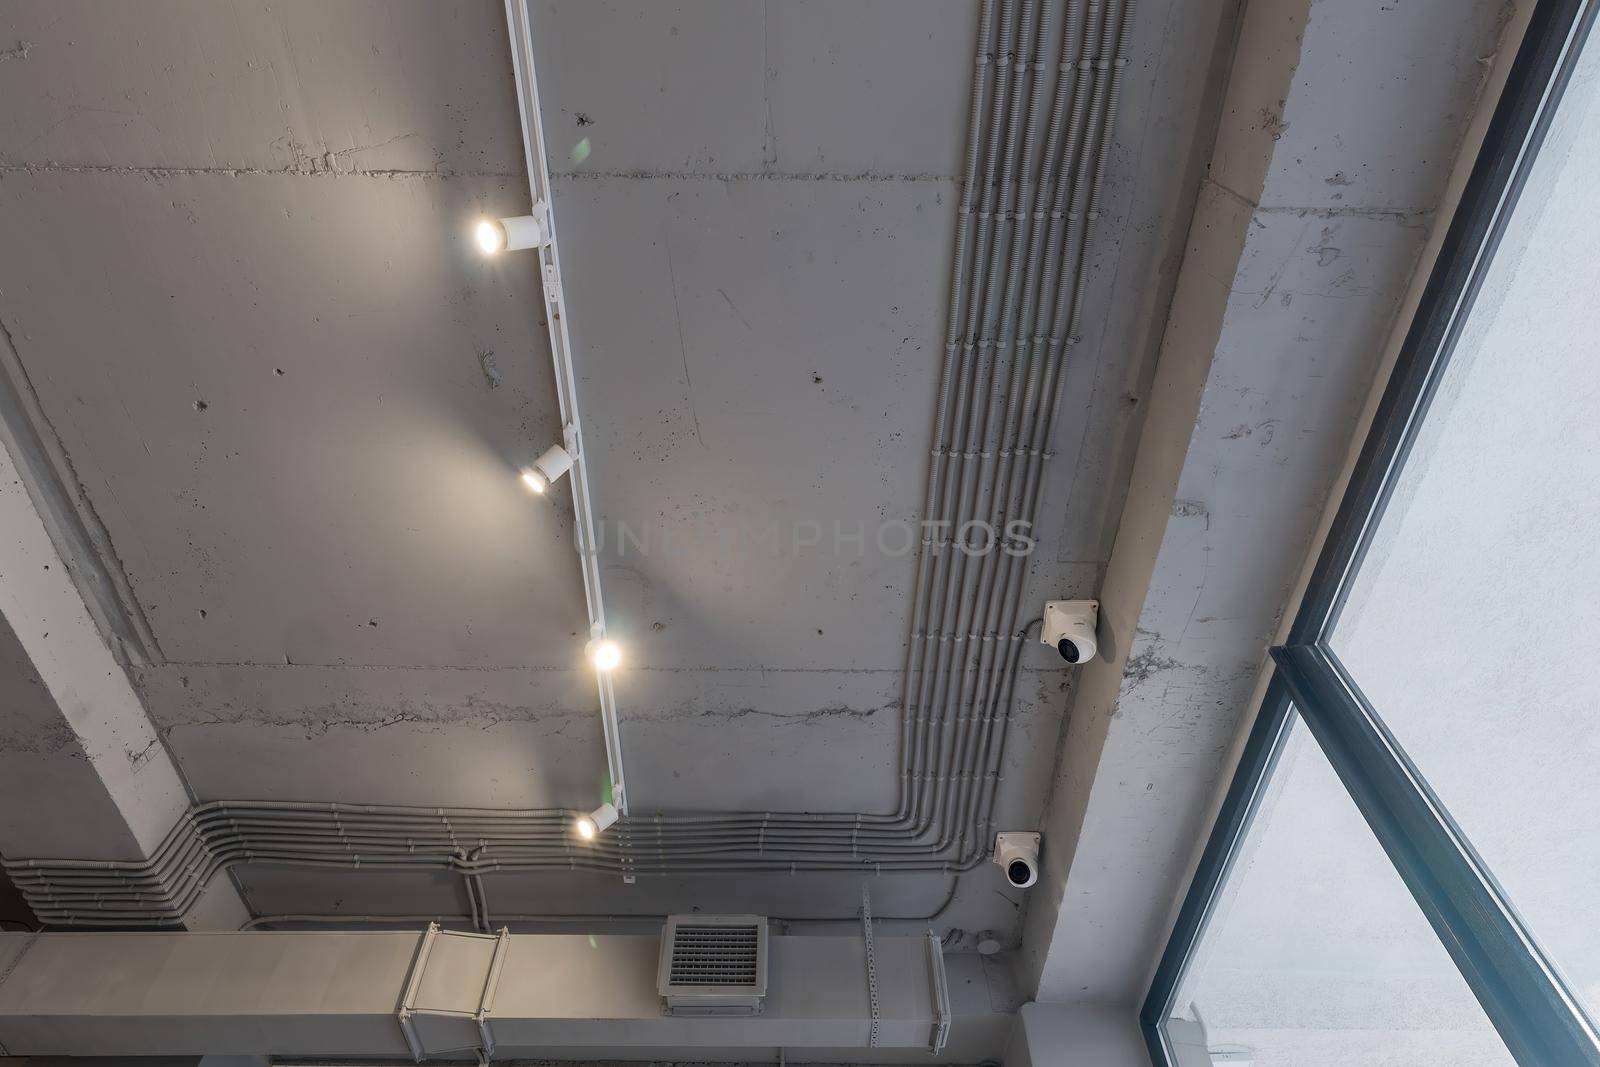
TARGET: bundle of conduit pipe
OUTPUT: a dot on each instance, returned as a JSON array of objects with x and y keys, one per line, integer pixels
[{"x": 1039, "y": 134}]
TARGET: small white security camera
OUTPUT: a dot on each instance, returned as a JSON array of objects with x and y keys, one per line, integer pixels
[
  {"x": 1017, "y": 854},
  {"x": 1069, "y": 627}
]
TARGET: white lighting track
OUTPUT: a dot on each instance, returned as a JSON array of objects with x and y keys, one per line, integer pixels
[{"x": 533, "y": 147}]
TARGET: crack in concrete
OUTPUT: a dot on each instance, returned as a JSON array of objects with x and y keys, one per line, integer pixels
[
  {"x": 1146, "y": 665},
  {"x": 1191, "y": 509},
  {"x": 140, "y": 758},
  {"x": 306, "y": 161},
  {"x": 300, "y": 664},
  {"x": 515, "y": 669},
  {"x": 49, "y": 739},
  {"x": 683, "y": 350},
  {"x": 763, "y": 669},
  {"x": 642, "y": 174},
  {"x": 1404, "y": 216},
  {"x": 299, "y": 169},
  {"x": 319, "y": 721},
  {"x": 769, "y": 148},
  {"x": 786, "y": 718},
  {"x": 491, "y": 369}
]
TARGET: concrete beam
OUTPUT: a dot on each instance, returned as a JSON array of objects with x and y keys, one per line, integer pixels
[
  {"x": 1077, "y": 1035},
  {"x": 82, "y": 771},
  {"x": 1340, "y": 124}
]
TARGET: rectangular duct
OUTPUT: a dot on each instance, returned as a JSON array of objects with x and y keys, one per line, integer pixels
[
  {"x": 436, "y": 994},
  {"x": 713, "y": 964}
]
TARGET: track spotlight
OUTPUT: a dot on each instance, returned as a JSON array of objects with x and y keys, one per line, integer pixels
[
  {"x": 604, "y": 654},
  {"x": 508, "y": 235},
  {"x": 589, "y": 826},
  {"x": 547, "y": 468}
]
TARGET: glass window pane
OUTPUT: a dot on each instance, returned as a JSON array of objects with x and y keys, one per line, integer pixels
[
  {"x": 1317, "y": 955},
  {"x": 1473, "y": 624}
]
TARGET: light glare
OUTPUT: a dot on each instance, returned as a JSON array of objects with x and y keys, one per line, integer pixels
[
  {"x": 491, "y": 236},
  {"x": 532, "y": 480},
  {"x": 590, "y": 826},
  {"x": 606, "y": 655}
]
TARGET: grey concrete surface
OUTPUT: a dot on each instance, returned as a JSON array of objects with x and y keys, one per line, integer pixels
[
  {"x": 81, "y": 765},
  {"x": 295, "y": 447},
  {"x": 1078, "y": 1035},
  {"x": 821, "y": 87},
  {"x": 237, "y": 284},
  {"x": 1284, "y": 302},
  {"x": 42, "y": 758},
  {"x": 299, "y": 87},
  {"x": 236, "y": 274}
]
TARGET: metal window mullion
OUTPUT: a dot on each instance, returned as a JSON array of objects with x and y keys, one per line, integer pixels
[
  {"x": 518, "y": 24},
  {"x": 1522, "y": 992},
  {"x": 1262, "y": 750}
]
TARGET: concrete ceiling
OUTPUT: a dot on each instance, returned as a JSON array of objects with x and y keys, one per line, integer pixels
[
  {"x": 291, "y": 397},
  {"x": 281, "y": 401}
]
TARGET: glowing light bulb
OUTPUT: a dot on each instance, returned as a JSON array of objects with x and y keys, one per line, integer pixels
[
  {"x": 555, "y": 462},
  {"x": 605, "y": 655},
  {"x": 589, "y": 826},
  {"x": 514, "y": 233},
  {"x": 491, "y": 236}
]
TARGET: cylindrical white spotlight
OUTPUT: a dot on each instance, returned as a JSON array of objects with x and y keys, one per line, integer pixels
[
  {"x": 509, "y": 235},
  {"x": 605, "y": 654},
  {"x": 555, "y": 462},
  {"x": 590, "y": 826}
]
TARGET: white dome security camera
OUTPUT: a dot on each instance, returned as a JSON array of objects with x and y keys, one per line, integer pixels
[
  {"x": 1017, "y": 854},
  {"x": 1069, "y": 628}
]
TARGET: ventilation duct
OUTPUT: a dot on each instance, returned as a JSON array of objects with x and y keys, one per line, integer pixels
[
  {"x": 713, "y": 964},
  {"x": 439, "y": 994}
]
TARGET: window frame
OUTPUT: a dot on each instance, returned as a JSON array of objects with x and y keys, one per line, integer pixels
[{"x": 1524, "y": 995}]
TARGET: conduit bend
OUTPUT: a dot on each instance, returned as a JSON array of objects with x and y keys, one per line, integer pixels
[{"x": 1017, "y": 291}]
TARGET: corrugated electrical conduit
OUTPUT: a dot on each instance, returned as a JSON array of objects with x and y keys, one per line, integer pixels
[{"x": 1027, "y": 215}]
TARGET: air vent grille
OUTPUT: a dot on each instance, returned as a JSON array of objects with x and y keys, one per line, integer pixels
[
  {"x": 714, "y": 955},
  {"x": 713, "y": 964}
]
